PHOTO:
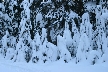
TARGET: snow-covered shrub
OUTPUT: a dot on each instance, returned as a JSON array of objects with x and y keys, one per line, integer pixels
[
  {"x": 104, "y": 42},
  {"x": 83, "y": 48},
  {"x": 67, "y": 36},
  {"x": 44, "y": 50},
  {"x": 63, "y": 51},
  {"x": 23, "y": 46},
  {"x": 101, "y": 38},
  {"x": 75, "y": 38},
  {"x": 4, "y": 43},
  {"x": 40, "y": 48},
  {"x": 93, "y": 57},
  {"x": 85, "y": 43},
  {"x": 10, "y": 53},
  {"x": 52, "y": 52},
  {"x": 34, "y": 52},
  {"x": 104, "y": 48},
  {"x": 105, "y": 56},
  {"x": 86, "y": 26},
  {"x": 12, "y": 42},
  {"x": 36, "y": 42},
  {"x": 20, "y": 53}
]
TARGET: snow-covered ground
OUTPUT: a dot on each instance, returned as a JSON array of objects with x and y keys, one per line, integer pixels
[{"x": 59, "y": 66}]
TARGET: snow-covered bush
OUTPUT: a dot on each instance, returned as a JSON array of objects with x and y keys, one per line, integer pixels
[
  {"x": 12, "y": 42},
  {"x": 105, "y": 56},
  {"x": 104, "y": 42},
  {"x": 23, "y": 47},
  {"x": 34, "y": 50},
  {"x": 75, "y": 38},
  {"x": 39, "y": 47},
  {"x": 85, "y": 43},
  {"x": 52, "y": 52},
  {"x": 93, "y": 57},
  {"x": 83, "y": 48},
  {"x": 44, "y": 48},
  {"x": 20, "y": 51},
  {"x": 4, "y": 43},
  {"x": 67, "y": 36},
  {"x": 10, "y": 53},
  {"x": 104, "y": 48},
  {"x": 62, "y": 49},
  {"x": 36, "y": 42},
  {"x": 86, "y": 26}
]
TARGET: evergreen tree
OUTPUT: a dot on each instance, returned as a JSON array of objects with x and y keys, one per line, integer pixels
[
  {"x": 4, "y": 43},
  {"x": 75, "y": 39}
]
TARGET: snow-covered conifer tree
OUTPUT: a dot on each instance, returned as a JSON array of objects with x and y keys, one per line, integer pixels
[
  {"x": 84, "y": 45},
  {"x": 75, "y": 39},
  {"x": 63, "y": 52},
  {"x": 83, "y": 48},
  {"x": 5, "y": 43},
  {"x": 36, "y": 44},
  {"x": 67, "y": 36},
  {"x": 24, "y": 36}
]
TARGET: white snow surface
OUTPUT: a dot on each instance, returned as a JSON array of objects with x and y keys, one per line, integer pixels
[
  {"x": 59, "y": 66},
  {"x": 38, "y": 17}
]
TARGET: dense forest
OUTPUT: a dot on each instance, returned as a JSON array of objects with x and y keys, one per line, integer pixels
[{"x": 51, "y": 30}]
